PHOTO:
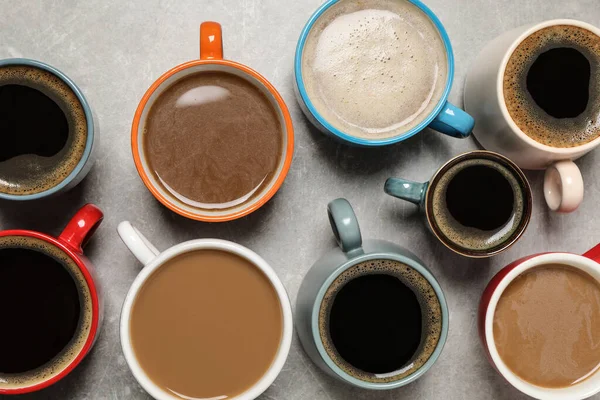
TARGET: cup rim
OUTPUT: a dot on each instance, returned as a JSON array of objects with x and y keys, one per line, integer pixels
[
  {"x": 89, "y": 124},
  {"x": 299, "y": 80},
  {"x": 199, "y": 216},
  {"x": 372, "y": 385},
  {"x": 538, "y": 392},
  {"x": 94, "y": 295},
  {"x": 287, "y": 329},
  {"x": 527, "y": 206},
  {"x": 564, "y": 151}
]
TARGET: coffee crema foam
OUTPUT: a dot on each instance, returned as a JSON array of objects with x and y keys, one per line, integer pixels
[
  {"x": 29, "y": 173},
  {"x": 374, "y": 69},
  {"x": 531, "y": 118},
  {"x": 468, "y": 237},
  {"x": 430, "y": 308},
  {"x": 75, "y": 346}
]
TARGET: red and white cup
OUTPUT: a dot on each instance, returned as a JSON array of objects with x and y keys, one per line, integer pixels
[
  {"x": 68, "y": 244},
  {"x": 589, "y": 263}
]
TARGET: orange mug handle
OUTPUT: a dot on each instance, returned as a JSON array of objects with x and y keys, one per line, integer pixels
[{"x": 211, "y": 41}]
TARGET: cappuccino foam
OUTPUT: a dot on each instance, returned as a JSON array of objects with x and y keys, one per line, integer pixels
[{"x": 374, "y": 69}]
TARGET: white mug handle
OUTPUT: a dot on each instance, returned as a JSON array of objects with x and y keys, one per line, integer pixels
[
  {"x": 563, "y": 186},
  {"x": 137, "y": 243}
]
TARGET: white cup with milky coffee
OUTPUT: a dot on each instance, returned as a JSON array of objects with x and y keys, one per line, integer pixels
[
  {"x": 539, "y": 324},
  {"x": 205, "y": 319}
]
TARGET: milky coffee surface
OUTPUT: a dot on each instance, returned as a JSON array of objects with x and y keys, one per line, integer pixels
[{"x": 374, "y": 69}]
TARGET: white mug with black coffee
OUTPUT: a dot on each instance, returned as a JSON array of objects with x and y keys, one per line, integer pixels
[{"x": 535, "y": 94}]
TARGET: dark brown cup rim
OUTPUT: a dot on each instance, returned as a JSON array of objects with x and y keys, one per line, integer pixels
[{"x": 527, "y": 204}]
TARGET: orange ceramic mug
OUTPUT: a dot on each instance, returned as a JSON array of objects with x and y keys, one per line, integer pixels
[{"x": 211, "y": 60}]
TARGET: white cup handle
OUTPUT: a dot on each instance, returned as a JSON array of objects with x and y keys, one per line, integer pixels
[
  {"x": 137, "y": 243},
  {"x": 563, "y": 186}
]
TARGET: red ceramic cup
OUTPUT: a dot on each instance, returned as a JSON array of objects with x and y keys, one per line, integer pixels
[
  {"x": 68, "y": 249},
  {"x": 588, "y": 263}
]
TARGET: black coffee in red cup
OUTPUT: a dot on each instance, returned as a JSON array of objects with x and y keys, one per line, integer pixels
[{"x": 51, "y": 308}]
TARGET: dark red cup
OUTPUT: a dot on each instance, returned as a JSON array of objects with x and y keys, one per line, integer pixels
[
  {"x": 589, "y": 263},
  {"x": 69, "y": 244}
]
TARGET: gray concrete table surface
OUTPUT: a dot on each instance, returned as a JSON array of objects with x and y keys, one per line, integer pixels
[{"x": 114, "y": 50}]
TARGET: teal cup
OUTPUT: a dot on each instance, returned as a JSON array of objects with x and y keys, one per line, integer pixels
[
  {"x": 478, "y": 204},
  {"x": 74, "y": 158},
  {"x": 338, "y": 269}
]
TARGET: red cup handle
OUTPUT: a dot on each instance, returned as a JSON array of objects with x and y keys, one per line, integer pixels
[
  {"x": 593, "y": 253},
  {"x": 81, "y": 227}
]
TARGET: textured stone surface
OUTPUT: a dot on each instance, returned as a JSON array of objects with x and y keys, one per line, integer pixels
[{"x": 115, "y": 49}]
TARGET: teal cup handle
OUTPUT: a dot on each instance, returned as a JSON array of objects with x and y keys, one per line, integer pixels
[
  {"x": 406, "y": 190},
  {"x": 453, "y": 121},
  {"x": 344, "y": 225}
]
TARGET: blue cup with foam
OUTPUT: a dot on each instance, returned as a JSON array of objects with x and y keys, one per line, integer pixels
[{"x": 376, "y": 72}]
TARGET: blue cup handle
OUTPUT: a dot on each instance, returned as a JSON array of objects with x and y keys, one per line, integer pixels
[
  {"x": 453, "y": 121},
  {"x": 344, "y": 225},
  {"x": 406, "y": 190}
]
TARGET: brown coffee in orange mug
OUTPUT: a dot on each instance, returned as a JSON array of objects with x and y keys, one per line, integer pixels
[{"x": 212, "y": 139}]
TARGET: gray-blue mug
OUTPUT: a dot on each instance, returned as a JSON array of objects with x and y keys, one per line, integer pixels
[
  {"x": 47, "y": 128},
  {"x": 342, "y": 267}
]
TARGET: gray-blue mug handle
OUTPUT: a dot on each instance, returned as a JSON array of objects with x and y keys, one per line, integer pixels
[
  {"x": 406, "y": 190},
  {"x": 453, "y": 121},
  {"x": 344, "y": 225}
]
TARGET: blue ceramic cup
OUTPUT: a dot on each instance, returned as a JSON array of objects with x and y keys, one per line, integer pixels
[
  {"x": 83, "y": 166},
  {"x": 445, "y": 117},
  {"x": 315, "y": 298}
]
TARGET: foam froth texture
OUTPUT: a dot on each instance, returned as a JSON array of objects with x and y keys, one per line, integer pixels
[
  {"x": 563, "y": 108},
  {"x": 24, "y": 171},
  {"x": 76, "y": 344},
  {"x": 431, "y": 316},
  {"x": 374, "y": 69}
]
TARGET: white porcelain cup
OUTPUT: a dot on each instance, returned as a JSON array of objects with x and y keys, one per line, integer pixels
[
  {"x": 152, "y": 259},
  {"x": 588, "y": 263},
  {"x": 496, "y": 131}
]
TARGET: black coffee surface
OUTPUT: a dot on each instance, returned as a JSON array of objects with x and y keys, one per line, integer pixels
[
  {"x": 551, "y": 86},
  {"x": 559, "y": 80},
  {"x": 480, "y": 197},
  {"x": 40, "y": 309},
  {"x": 43, "y": 130},
  {"x": 375, "y": 323},
  {"x": 30, "y": 123}
]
